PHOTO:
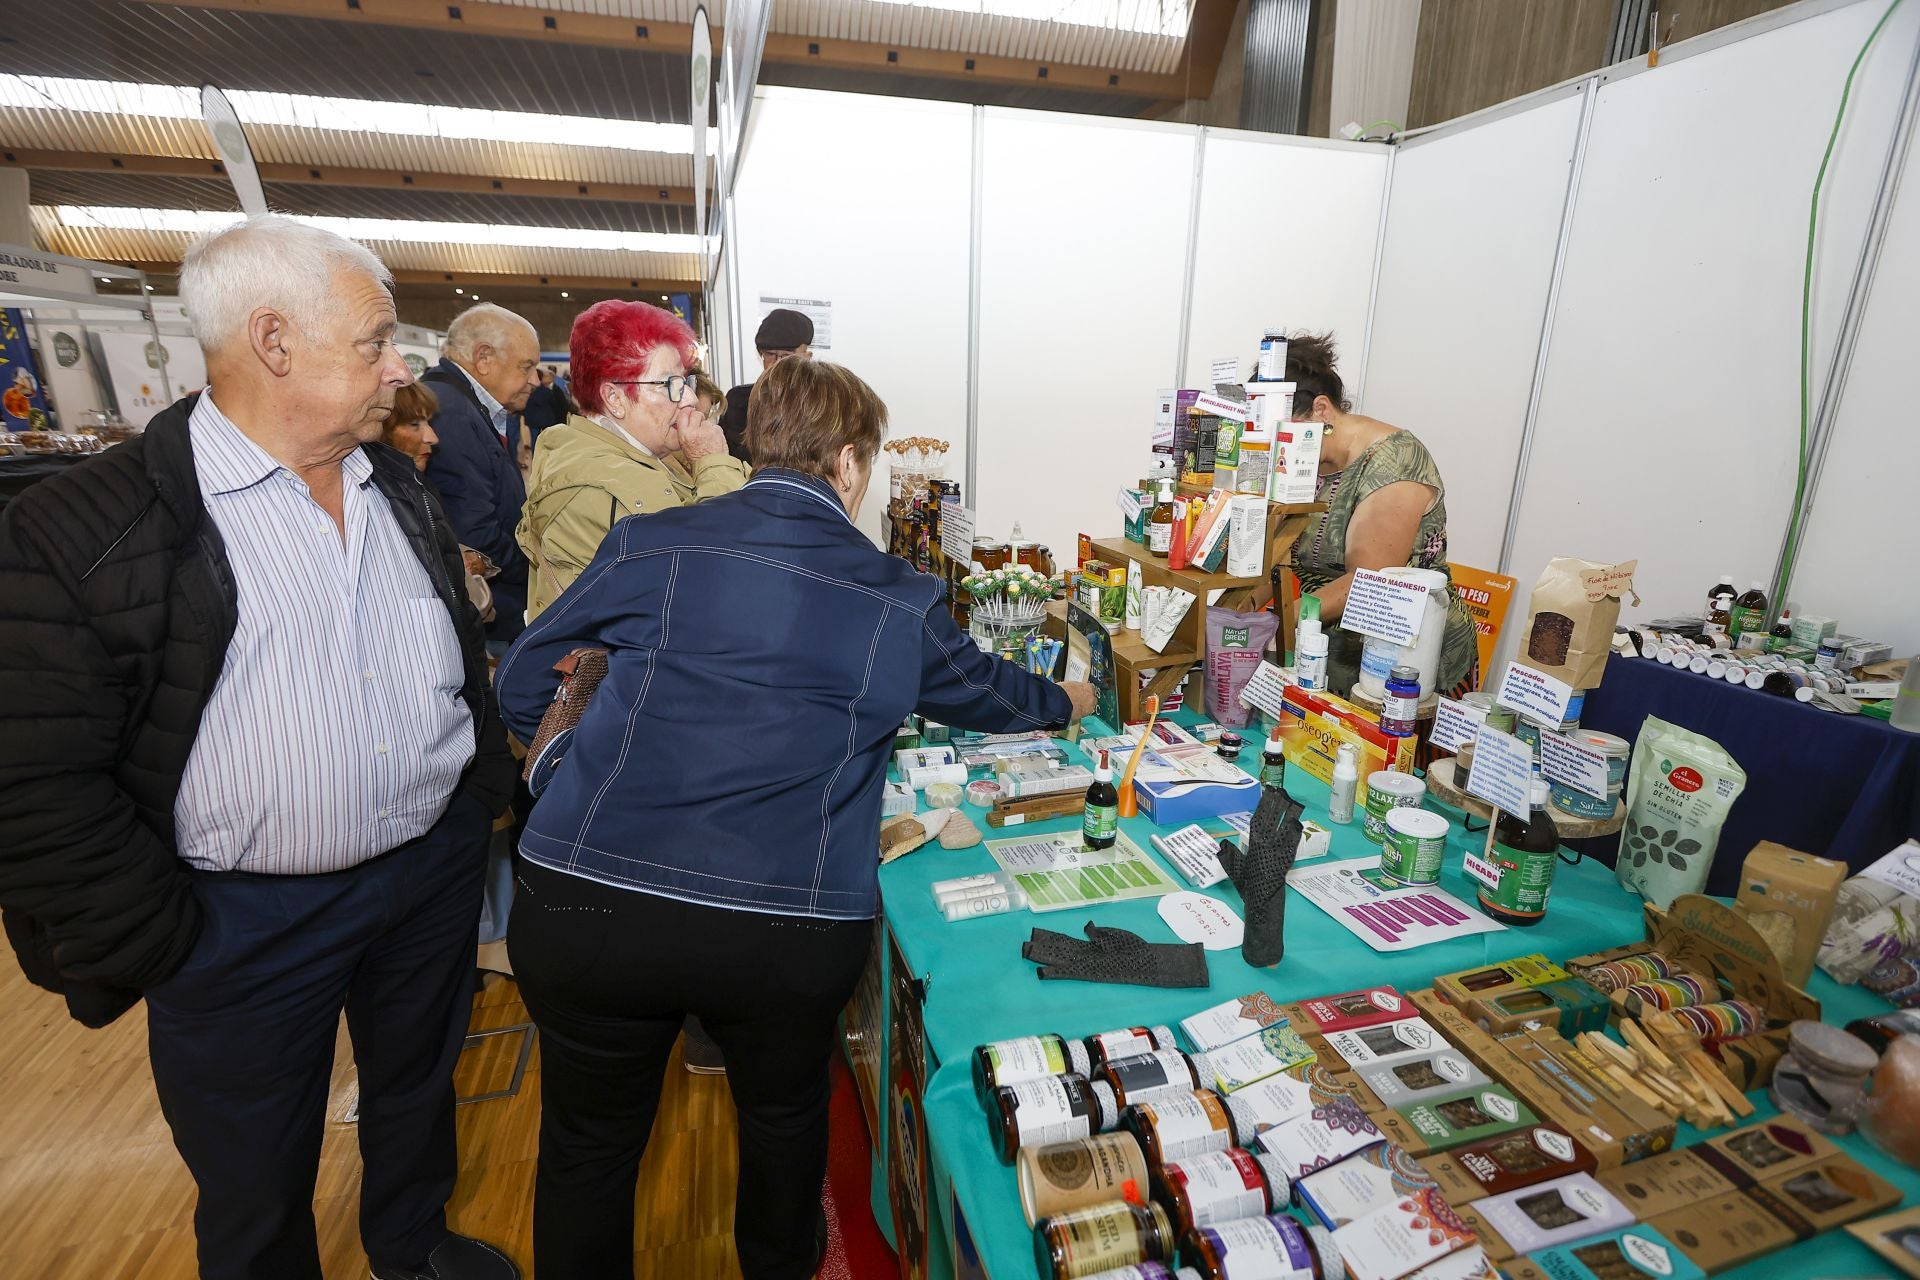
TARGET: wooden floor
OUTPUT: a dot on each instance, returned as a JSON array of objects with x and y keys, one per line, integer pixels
[{"x": 91, "y": 1189}]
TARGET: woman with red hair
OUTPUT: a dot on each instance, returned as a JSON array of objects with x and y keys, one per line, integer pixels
[{"x": 631, "y": 375}]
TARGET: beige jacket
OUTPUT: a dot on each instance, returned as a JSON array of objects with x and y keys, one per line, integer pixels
[{"x": 585, "y": 478}]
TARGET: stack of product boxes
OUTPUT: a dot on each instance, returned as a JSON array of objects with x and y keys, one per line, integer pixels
[{"x": 1444, "y": 1134}]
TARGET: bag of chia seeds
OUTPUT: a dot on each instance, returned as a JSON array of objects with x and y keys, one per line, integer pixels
[{"x": 1679, "y": 793}]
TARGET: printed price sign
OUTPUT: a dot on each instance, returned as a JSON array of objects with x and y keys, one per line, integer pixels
[
  {"x": 1128, "y": 501},
  {"x": 956, "y": 532},
  {"x": 1454, "y": 725},
  {"x": 1225, "y": 373},
  {"x": 1502, "y": 772},
  {"x": 1384, "y": 608},
  {"x": 1232, "y": 410},
  {"x": 1264, "y": 689},
  {"x": 1570, "y": 763},
  {"x": 1480, "y": 869},
  {"x": 1534, "y": 694}
]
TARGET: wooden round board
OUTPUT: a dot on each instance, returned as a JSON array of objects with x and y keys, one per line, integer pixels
[{"x": 1441, "y": 785}]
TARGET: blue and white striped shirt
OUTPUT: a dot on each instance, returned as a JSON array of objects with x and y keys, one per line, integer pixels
[{"x": 336, "y": 730}]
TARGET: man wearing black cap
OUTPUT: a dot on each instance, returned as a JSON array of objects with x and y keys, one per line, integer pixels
[{"x": 783, "y": 333}]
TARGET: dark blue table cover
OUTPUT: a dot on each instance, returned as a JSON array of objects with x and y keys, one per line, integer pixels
[{"x": 1843, "y": 787}]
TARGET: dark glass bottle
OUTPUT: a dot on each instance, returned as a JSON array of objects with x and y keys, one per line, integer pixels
[
  {"x": 1100, "y": 823},
  {"x": 1526, "y": 850}
]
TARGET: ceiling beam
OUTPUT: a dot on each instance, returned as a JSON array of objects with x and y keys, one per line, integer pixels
[
  {"x": 488, "y": 279},
  {"x": 344, "y": 176},
  {"x": 479, "y": 17},
  {"x": 1209, "y": 23}
]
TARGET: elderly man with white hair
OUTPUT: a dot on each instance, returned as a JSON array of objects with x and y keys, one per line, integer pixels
[
  {"x": 491, "y": 366},
  {"x": 249, "y": 760}
]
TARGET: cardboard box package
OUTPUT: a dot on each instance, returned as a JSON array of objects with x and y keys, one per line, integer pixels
[
  {"x": 1314, "y": 723},
  {"x": 1560, "y": 1212},
  {"x": 1231, "y": 1019},
  {"x": 1414, "y": 1077},
  {"x": 1826, "y": 1195},
  {"x": 1366, "y": 1045},
  {"x": 1413, "y": 1231},
  {"x": 1722, "y": 1232},
  {"x": 1360, "y": 1184},
  {"x": 1521, "y": 971},
  {"x": 1368, "y": 1007},
  {"x": 1522, "y": 1158},
  {"x": 1324, "y": 1136},
  {"x": 1441, "y": 1124},
  {"x": 1797, "y": 886},
  {"x": 1253, "y": 1058},
  {"x": 1569, "y": 1006},
  {"x": 1895, "y": 1237},
  {"x": 1617, "y": 1255},
  {"x": 1771, "y": 1149}
]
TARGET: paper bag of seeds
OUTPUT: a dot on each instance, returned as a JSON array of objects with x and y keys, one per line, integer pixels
[
  {"x": 1574, "y": 606},
  {"x": 1679, "y": 793}
]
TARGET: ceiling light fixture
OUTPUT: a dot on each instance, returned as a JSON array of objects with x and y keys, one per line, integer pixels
[
  {"x": 411, "y": 120},
  {"x": 563, "y": 293},
  {"x": 197, "y": 221},
  {"x": 458, "y": 289}
]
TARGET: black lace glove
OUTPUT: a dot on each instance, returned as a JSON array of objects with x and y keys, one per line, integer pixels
[
  {"x": 1260, "y": 874},
  {"x": 1115, "y": 955}
]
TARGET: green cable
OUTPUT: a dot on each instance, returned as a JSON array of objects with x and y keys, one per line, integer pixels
[{"x": 1792, "y": 550}]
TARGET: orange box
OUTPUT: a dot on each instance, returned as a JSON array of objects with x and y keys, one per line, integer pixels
[{"x": 1314, "y": 724}]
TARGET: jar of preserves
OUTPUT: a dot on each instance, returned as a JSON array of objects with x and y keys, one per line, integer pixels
[
  {"x": 1085, "y": 1242},
  {"x": 1146, "y": 1076},
  {"x": 1220, "y": 1186},
  {"x": 1039, "y": 1113}
]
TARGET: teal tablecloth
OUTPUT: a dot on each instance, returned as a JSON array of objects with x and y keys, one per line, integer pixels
[{"x": 979, "y": 988}]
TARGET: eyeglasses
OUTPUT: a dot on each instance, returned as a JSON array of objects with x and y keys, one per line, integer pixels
[{"x": 677, "y": 385}]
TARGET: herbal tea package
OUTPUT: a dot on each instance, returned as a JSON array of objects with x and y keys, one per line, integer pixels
[
  {"x": 1679, "y": 793},
  {"x": 1573, "y": 608}
]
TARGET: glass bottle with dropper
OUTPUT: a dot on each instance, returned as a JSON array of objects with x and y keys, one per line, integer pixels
[{"x": 1100, "y": 819}]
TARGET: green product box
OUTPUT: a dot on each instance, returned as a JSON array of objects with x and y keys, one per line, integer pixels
[
  {"x": 1441, "y": 1124},
  {"x": 1629, "y": 1251}
]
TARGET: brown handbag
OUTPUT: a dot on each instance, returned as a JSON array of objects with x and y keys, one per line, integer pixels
[{"x": 580, "y": 674}]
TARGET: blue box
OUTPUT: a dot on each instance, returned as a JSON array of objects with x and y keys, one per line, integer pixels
[
  {"x": 1175, "y": 804},
  {"x": 1641, "y": 1248}
]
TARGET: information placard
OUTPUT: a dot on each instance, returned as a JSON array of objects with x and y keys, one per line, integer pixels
[
  {"x": 1130, "y": 503},
  {"x": 956, "y": 531},
  {"x": 1219, "y": 407},
  {"x": 1454, "y": 724},
  {"x": 1534, "y": 694},
  {"x": 1384, "y": 608},
  {"x": 1572, "y": 764},
  {"x": 1224, "y": 372},
  {"x": 1478, "y": 868},
  {"x": 1502, "y": 772},
  {"x": 1264, "y": 689}
]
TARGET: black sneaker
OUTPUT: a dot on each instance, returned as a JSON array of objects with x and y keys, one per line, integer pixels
[
  {"x": 456, "y": 1258},
  {"x": 698, "y": 1051}
]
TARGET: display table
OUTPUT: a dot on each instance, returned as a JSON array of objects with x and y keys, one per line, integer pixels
[
  {"x": 974, "y": 986},
  {"x": 1843, "y": 787}
]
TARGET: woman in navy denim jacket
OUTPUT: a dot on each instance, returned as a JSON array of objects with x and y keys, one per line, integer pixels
[{"x": 707, "y": 845}]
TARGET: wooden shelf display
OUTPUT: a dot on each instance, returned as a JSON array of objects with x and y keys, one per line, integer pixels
[{"x": 1188, "y": 646}]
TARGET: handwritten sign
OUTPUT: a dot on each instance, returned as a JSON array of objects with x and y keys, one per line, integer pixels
[
  {"x": 1195, "y": 917},
  {"x": 1478, "y": 868},
  {"x": 956, "y": 531},
  {"x": 1502, "y": 772},
  {"x": 1224, "y": 372},
  {"x": 1454, "y": 724},
  {"x": 1265, "y": 689},
  {"x": 1534, "y": 694},
  {"x": 1384, "y": 608},
  {"x": 1573, "y": 764},
  {"x": 1130, "y": 503},
  {"x": 1233, "y": 410}
]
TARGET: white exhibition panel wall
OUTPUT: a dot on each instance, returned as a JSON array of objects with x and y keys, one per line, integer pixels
[
  {"x": 1669, "y": 416},
  {"x": 1856, "y": 560},
  {"x": 1464, "y": 275},
  {"x": 865, "y": 202},
  {"x": 1288, "y": 228},
  {"x": 1083, "y": 260}
]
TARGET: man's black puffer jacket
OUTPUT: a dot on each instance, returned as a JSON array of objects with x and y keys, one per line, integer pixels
[{"x": 116, "y": 609}]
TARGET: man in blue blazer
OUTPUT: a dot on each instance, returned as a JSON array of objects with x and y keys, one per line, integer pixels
[{"x": 491, "y": 365}]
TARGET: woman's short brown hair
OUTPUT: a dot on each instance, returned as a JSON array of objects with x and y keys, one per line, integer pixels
[
  {"x": 412, "y": 403},
  {"x": 802, "y": 413}
]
